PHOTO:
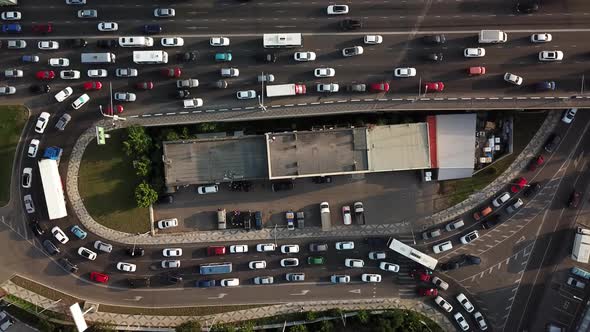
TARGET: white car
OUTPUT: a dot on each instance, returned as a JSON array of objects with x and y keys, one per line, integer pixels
[
  {"x": 219, "y": 41},
  {"x": 340, "y": 279},
  {"x": 541, "y": 38},
  {"x": 87, "y": 253},
  {"x": 352, "y": 51},
  {"x": 328, "y": 87},
  {"x": 208, "y": 189},
  {"x": 465, "y": 239},
  {"x": 256, "y": 265},
  {"x": 238, "y": 248},
  {"x": 337, "y": 9},
  {"x": 126, "y": 267},
  {"x": 345, "y": 245},
  {"x": 289, "y": 262},
  {"x": 377, "y": 255},
  {"x": 125, "y": 96},
  {"x": 7, "y": 90},
  {"x": 172, "y": 252},
  {"x": 443, "y": 304},
  {"x": 440, "y": 283},
  {"x": 64, "y": 94},
  {"x": 550, "y": 56},
  {"x": 42, "y": 122},
  {"x": 48, "y": 45},
  {"x": 304, "y": 56},
  {"x": 371, "y": 277},
  {"x": 503, "y": 198},
  {"x": 27, "y": 177},
  {"x": 29, "y": 206},
  {"x": 442, "y": 247},
  {"x": 324, "y": 72},
  {"x": 462, "y": 299},
  {"x": 230, "y": 72},
  {"x": 480, "y": 321},
  {"x": 126, "y": 72},
  {"x": 290, "y": 248},
  {"x": 170, "y": 264},
  {"x": 75, "y": 2},
  {"x": 103, "y": 246},
  {"x": 172, "y": 42},
  {"x": 16, "y": 44},
  {"x": 474, "y": 52},
  {"x": 264, "y": 280},
  {"x": 461, "y": 321},
  {"x": 404, "y": 72},
  {"x": 33, "y": 148},
  {"x": 265, "y": 247},
  {"x": 97, "y": 73},
  {"x": 390, "y": 267},
  {"x": 248, "y": 94},
  {"x": 568, "y": 116},
  {"x": 373, "y": 39},
  {"x": 164, "y": 12},
  {"x": 69, "y": 74},
  {"x": 514, "y": 79},
  {"x": 59, "y": 62},
  {"x": 167, "y": 223},
  {"x": 108, "y": 26},
  {"x": 353, "y": 262},
  {"x": 11, "y": 16},
  {"x": 59, "y": 235},
  {"x": 232, "y": 282}
]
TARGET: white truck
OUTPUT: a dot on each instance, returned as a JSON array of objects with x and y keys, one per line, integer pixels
[
  {"x": 285, "y": 90},
  {"x": 492, "y": 36},
  {"x": 150, "y": 57},
  {"x": 325, "y": 216}
]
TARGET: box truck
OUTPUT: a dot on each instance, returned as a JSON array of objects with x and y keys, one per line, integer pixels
[{"x": 285, "y": 90}]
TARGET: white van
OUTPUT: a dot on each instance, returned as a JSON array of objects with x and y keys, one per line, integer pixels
[
  {"x": 83, "y": 99},
  {"x": 136, "y": 41}
]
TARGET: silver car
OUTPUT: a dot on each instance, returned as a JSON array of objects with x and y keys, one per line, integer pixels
[
  {"x": 126, "y": 72},
  {"x": 125, "y": 96},
  {"x": 87, "y": 13},
  {"x": 102, "y": 246},
  {"x": 63, "y": 122}
]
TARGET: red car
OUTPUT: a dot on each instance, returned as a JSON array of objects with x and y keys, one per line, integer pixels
[
  {"x": 99, "y": 277},
  {"x": 428, "y": 291},
  {"x": 144, "y": 85},
  {"x": 423, "y": 275},
  {"x": 215, "y": 250},
  {"x": 171, "y": 72},
  {"x": 379, "y": 87},
  {"x": 536, "y": 163},
  {"x": 518, "y": 185},
  {"x": 45, "y": 75},
  {"x": 434, "y": 86},
  {"x": 94, "y": 85},
  {"x": 118, "y": 108},
  {"x": 43, "y": 28}
]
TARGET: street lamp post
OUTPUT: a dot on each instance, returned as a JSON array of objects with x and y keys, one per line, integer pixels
[{"x": 261, "y": 95}]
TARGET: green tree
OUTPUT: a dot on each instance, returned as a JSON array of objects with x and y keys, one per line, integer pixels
[
  {"x": 222, "y": 328},
  {"x": 189, "y": 326},
  {"x": 246, "y": 327},
  {"x": 142, "y": 166},
  {"x": 100, "y": 327},
  {"x": 45, "y": 325},
  {"x": 185, "y": 133},
  {"x": 326, "y": 326},
  {"x": 170, "y": 135},
  {"x": 138, "y": 141},
  {"x": 363, "y": 316},
  {"x": 311, "y": 315},
  {"x": 145, "y": 195},
  {"x": 298, "y": 328},
  {"x": 206, "y": 127}
]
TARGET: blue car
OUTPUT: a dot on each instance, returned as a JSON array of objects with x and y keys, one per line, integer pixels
[
  {"x": 205, "y": 283},
  {"x": 12, "y": 28},
  {"x": 223, "y": 57},
  {"x": 30, "y": 58},
  {"x": 152, "y": 28},
  {"x": 76, "y": 230}
]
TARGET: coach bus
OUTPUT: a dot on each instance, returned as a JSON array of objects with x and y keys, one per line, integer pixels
[
  {"x": 282, "y": 40},
  {"x": 413, "y": 254}
]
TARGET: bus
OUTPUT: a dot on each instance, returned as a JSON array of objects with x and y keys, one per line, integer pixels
[
  {"x": 215, "y": 268},
  {"x": 53, "y": 189},
  {"x": 282, "y": 40},
  {"x": 97, "y": 58},
  {"x": 413, "y": 254},
  {"x": 150, "y": 57}
]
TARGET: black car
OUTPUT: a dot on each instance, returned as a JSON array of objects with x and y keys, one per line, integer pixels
[
  {"x": 351, "y": 24},
  {"x": 79, "y": 42},
  {"x": 321, "y": 179},
  {"x": 66, "y": 264},
  {"x": 166, "y": 199},
  {"x": 51, "y": 248},
  {"x": 532, "y": 189},
  {"x": 205, "y": 283},
  {"x": 44, "y": 88},
  {"x": 258, "y": 220},
  {"x": 491, "y": 222},
  {"x": 552, "y": 143},
  {"x": 139, "y": 282},
  {"x": 135, "y": 252},
  {"x": 267, "y": 57},
  {"x": 152, "y": 28},
  {"x": 438, "y": 57},
  {"x": 188, "y": 56},
  {"x": 545, "y": 86},
  {"x": 356, "y": 87},
  {"x": 435, "y": 39},
  {"x": 463, "y": 260},
  {"x": 36, "y": 228},
  {"x": 526, "y": 8},
  {"x": 181, "y": 94},
  {"x": 318, "y": 247},
  {"x": 282, "y": 185},
  {"x": 174, "y": 278},
  {"x": 107, "y": 43}
]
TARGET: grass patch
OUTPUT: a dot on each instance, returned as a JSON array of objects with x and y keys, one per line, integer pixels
[
  {"x": 12, "y": 122},
  {"x": 107, "y": 182},
  {"x": 178, "y": 311}
]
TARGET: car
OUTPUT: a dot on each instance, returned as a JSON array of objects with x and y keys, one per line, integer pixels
[
  {"x": 75, "y": 2},
  {"x": 30, "y": 58},
  {"x": 436, "y": 57},
  {"x": 182, "y": 94},
  {"x": 404, "y": 72},
  {"x": 43, "y": 28},
  {"x": 446, "y": 306},
  {"x": 346, "y": 217},
  {"x": 515, "y": 206},
  {"x": 546, "y": 86},
  {"x": 434, "y": 39},
  {"x": 536, "y": 162},
  {"x": 265, "y": 247},
  {"x": 541, "y": 38},
  {"x": 152, "y": 29},
  {"x": 316, "y": 260},
  {"x": 171, "y": 72},
  {"x": 568, "y": 116},
  {"x": 79, "y": 232},
  {"x": 491, "y": 222},
  {"x": 295, "y": 276},
  {"x": 118, "y": 110},
  {"x": 87, "y": 13},
  {"x": 434, "y": 233},
  {"x": 205, "y": 283},
  {"x": 352, "y": 51},
  {"x": 43, "y": 88},
  {"x": 99, "y": 277},
  {"x": 514, "y": 79},
  {"x": 550, "y": 56},
  {"x": 427, "y": 291},
  {"x": 188, "y": 83},
  {"x": 501, "y": 199},
  {"x": 480, "y": 321},
  {"x": 172, "y": 252},
  {"x": 289, "y": 262},
  {"x": 103, "y": 246},
  {"x": 164, "y": 12},
  {"x": 526, "y": 8},
  {"x": 207, "y": 189},
  {"x": 108, "y": 26},
  {"x": 167, "y": 223},
  {"x": 69, "y": 266},
  {"x": 231, "y": 282},
  {"x": 421, "y": 274},
  {"x": 267, "y": 57},
  {"x": 337, "y": 9},
  {"x": 59, "y": 62},
  {"x": 27, "y": 177},
  {"x": 45, "y": 75},
  {"x": 64, "y": 94},
  {"x": 318, "y": 247},
  {"x": 41, "y": 123},
  {"x": 354, "y": 87},
  {"x": 69, "y": 74},
  {"x": 350, "y": 262},
  {"x": 574, "y": 199},
  {"x": 461, "y": 321},
  {"x": 223, "y": 57},
  {"x": 7, "y": 90},
  {"x": 12, "y": 28},
  {"x": 126, "y": 72},
  {"x": 476, "y": 71},
  {"x": 144, "y": 85},
  {"x": 552, "y": 142},
  {"x": 139, "y": 282},
  {"x": 255, "y": 265},
  {"x": 97, "y": 73},
  {"x": 377, "y": 255},
  {"x": 238, "y": 248},
  {"x": 87, "y": 253},
  {"x": 92, "y": 85},
  {"x": 174, "y": 278},
  {"x": 463, "y": 260},
  {"x": 219, "y": 41},
  {"x": 126, "y": 267},
  {"x": 33, "y": 148},
  {"x": 266, "y": 78},
  {"x": 290, "y": 248},
  {"x": 438, "y": 282},
  {"x": 571, "y": 281},
  {"x": 263, "y": 280},
  {"x": 107, "y": 43},
  {"x": 281, "y": 185},
  {"x": 324, "y": 72},
  {"x": 373, "y": 39},
  {"x": 371, "y": 277},
  {"x": 340, "y": 279},
  {"x": 442, "y": 247},
  {"x": 170, "y": 264},
  {"x": 78, "y": 42},
  {"x": 80, "y": 101},
  {"x": 469, "y": 237},
  {"x": 125, "y": 96},
  {"x": 11, "y": 16},
  {"x": 351, "y": 24},
  {"x": 13, "y": 73},
  {"x": 477, "y": 52},
  {"x": 135, "y": 251},
  {"x": 172, "y": 42},
  {"x": 16, "y": 44},
  {"x": 328, "y": 87},
  {"x": 385, "y": 266},
  {"x": 345, "y": 245},
  {"x": 50, "y": 247},
  {"x": 434, "y": 86},
  {"x": 532, "y": 189},
  {"x": 304, "y": 56},
  {"x": 59, "y": 235},
  {"x": 465, "y": 303}
]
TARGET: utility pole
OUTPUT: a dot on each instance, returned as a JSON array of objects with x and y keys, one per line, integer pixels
[{"x": 261, "y": 95}]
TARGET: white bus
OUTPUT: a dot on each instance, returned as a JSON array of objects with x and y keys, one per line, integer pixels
[
  {"x": 53, "y": 189},
  {"x": 282, "y": 40},
  {"x": 411, "y": 253},
  {"x": 97, "y": 58},
  {"x": 150, "y": 57}
]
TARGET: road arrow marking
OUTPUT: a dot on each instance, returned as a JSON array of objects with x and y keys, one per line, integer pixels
[
  {"x": 220, "y": 296},
  {"x": 357, "y": 291},
  {"x": 137, "y": 298},
  {"x": 520, "y": 240},
  {"x": 303, "y": 292}
]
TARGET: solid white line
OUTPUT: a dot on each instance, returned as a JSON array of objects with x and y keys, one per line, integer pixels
[{"x": 158, "y": 114}]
